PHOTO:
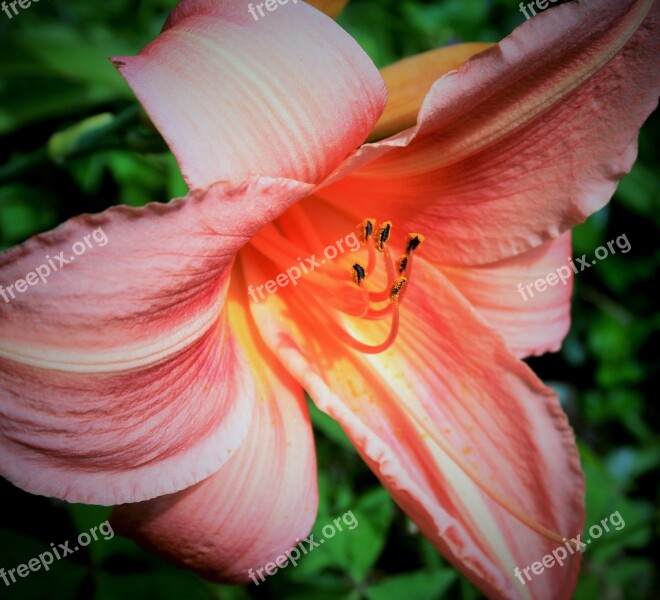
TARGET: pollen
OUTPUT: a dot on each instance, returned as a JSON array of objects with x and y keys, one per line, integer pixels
[
  {"x": 382, "y": 235},
  {"x": 403, "y": 263},
  {"x": 413, "y": 242},
  {"x": 358, "y": 273},
  {"x": 366, "y": 229},
  {"x": 396, "y": 288}
]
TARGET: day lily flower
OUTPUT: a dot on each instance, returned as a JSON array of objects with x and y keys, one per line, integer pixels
[{"x": 143, "y": 375}]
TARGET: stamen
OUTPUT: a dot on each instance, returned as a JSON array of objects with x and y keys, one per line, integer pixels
[
  {"x": 391, "y": 276},
  {"x": 377, "y": 239},
  {"x": 374, "y": 314},
  {"x": 349, "y": 340},
  {"x": 371, "y": 264}
]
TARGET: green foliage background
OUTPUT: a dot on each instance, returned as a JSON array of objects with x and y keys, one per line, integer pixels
[{"x": 72, "y": 141}]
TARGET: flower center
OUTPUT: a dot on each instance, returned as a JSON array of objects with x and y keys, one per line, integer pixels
[
  {"x": 376, "y": 240},
  {"x": 323, "y": 290}
]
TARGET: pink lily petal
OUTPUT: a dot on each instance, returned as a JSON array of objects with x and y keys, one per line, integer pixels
[
  {"x": 288, "y": 95},
  {"x": 468, "y": 441},
  {"x": 120, "y": 379},
  {"x": 531, "y": 321},
  {"x": 259, "y": 504},
  {"x": 156, "y": 285},
  {"x": 526, "y": 140}
]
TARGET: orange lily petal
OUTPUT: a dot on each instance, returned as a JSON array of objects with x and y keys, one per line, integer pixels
[
  {"x": 464, "y": 436},
  {"x": 332, "y": 8},
  {"x": 531, "y": 321},
  {"x": 526, "y": 140},
  {"x": 229, "y": 106},
  {"x": 259, "y": 504},
  {"x": 119, "y": 377},
  {"x": 409, "y": 80}
]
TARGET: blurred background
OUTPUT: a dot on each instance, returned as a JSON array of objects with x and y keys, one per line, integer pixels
[{"x": 72, "y": 140}]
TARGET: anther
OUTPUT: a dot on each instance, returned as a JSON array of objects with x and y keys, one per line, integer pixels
[
  {"x": 382, "y": 235},
  {"x": 366, "y": 229},
  {"x": 358, "y": 273},
  {"x": 403, "y": 263},
  {"x": 396, "y": 288},
  {"x": 413, "y": 242}
]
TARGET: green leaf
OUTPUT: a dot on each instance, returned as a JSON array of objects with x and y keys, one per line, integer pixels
[
  {"x": 229, "y": 592},
  {"x": 171, "y": 584},
  {"x": 54, "y": 70},
  {"x": 632, "y": 573},
  {"x": 85, "y": 517},
  {"x": 66, "y": 574},
  {"x": 24, "y": 211},
  {"x": 640, "y": 191},
  {"x": 421, "y": 586},
  {"x": 357, "y": 550}
]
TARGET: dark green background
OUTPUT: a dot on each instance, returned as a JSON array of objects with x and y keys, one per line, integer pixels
[{"x": 55, "y": 73}]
